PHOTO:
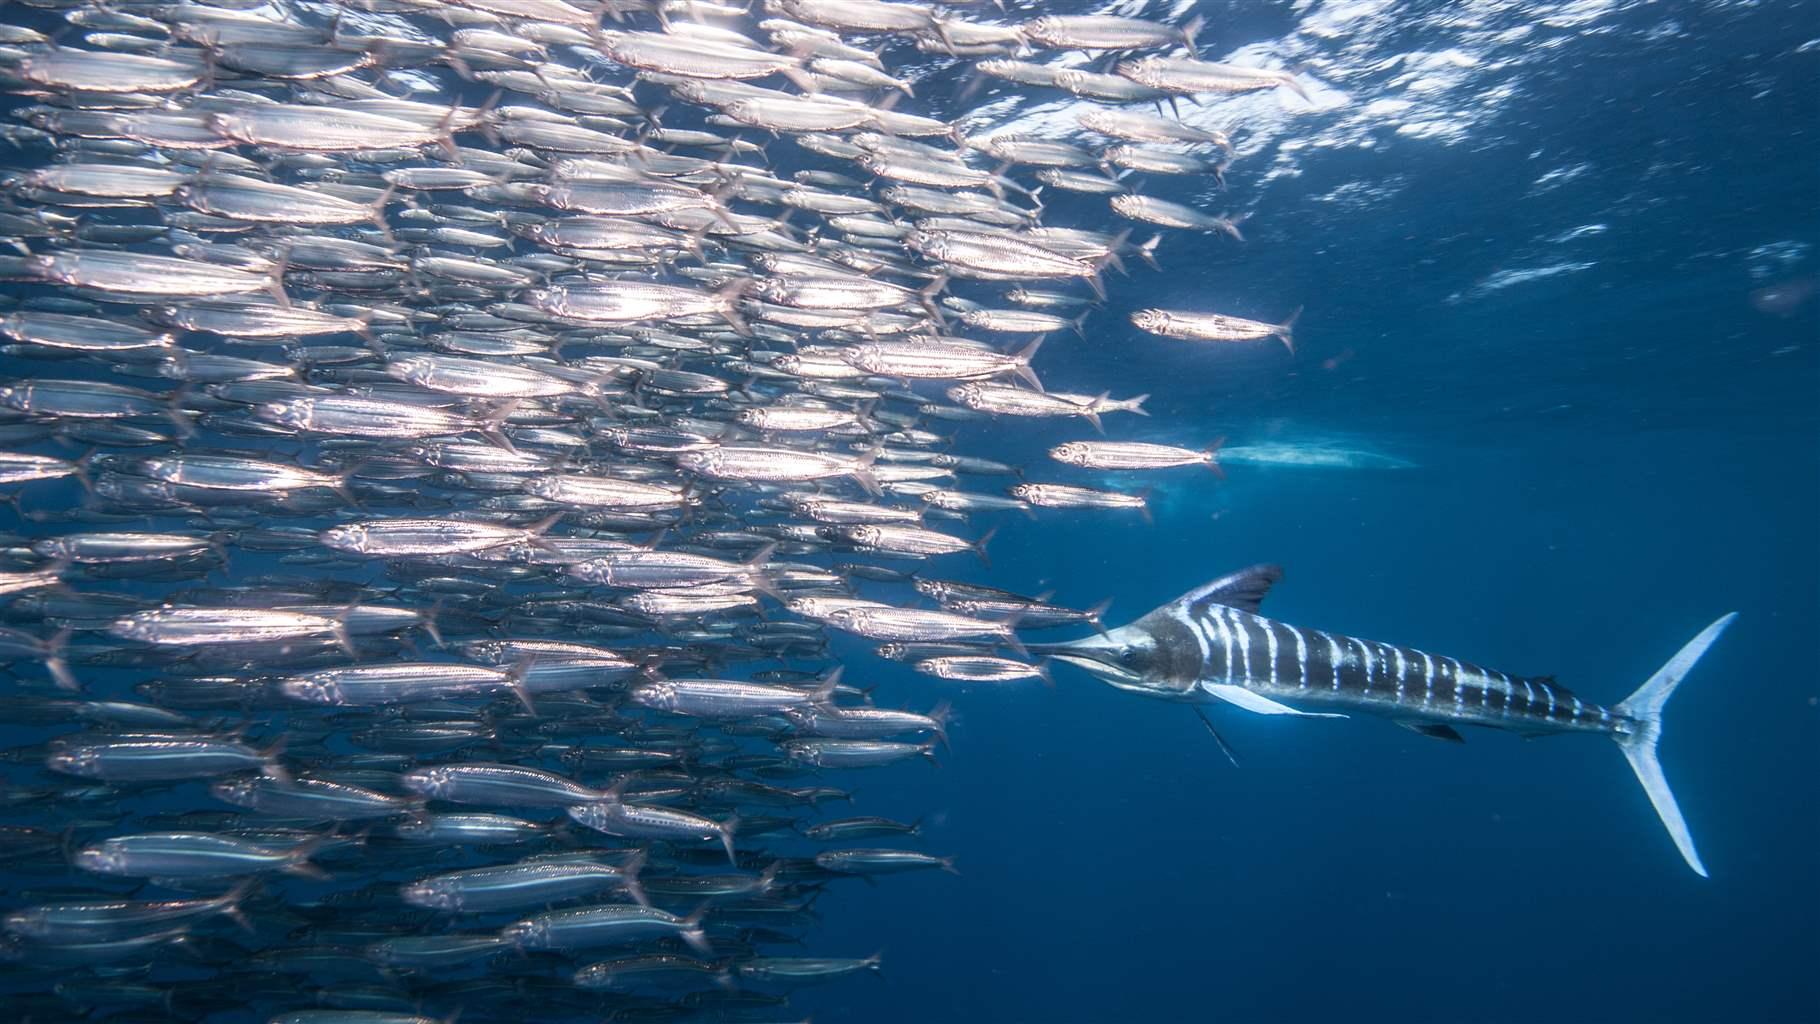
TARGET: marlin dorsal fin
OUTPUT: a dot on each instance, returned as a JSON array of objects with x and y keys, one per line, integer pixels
[{"x": 1243, "y": 590}]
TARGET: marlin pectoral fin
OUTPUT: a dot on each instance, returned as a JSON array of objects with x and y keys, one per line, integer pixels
[
  {"x": 1435, "y": 729},
  {"x": 1258, "y": 704}
]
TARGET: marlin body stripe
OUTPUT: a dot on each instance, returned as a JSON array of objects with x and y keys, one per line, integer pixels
[
  {"x": 1280, "y": 661},
  {"x": 1212, "y": 645}
]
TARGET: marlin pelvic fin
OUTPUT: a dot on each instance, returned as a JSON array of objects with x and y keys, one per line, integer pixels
[{"x": 1225, "y": 748}]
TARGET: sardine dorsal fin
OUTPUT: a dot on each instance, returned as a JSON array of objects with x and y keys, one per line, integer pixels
[{"x": 1243, "y": 590}]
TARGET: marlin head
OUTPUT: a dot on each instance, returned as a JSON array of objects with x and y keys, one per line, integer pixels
[
  {"x": 1162, "y": 654},
  {"x": 1144, "y": 657}
]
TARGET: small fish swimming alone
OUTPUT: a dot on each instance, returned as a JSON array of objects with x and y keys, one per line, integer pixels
[
  {"x": 1213, "y": 326},
  {"x": 1212, "y": 646}
]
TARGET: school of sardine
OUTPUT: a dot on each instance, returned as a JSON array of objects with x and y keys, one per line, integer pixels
[{"x": 443, "y": 435}]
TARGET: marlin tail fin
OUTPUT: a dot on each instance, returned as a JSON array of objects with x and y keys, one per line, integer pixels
[{"x": 1639, "y": 745}]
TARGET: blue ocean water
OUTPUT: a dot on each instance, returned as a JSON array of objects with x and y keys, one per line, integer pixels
[{"x": 1552, "y": 409}]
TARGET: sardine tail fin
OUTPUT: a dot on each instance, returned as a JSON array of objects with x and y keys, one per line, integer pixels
[
  {"x": 629, "y": 880},
  {"x": 1211, "y": 454},
  {"x": 1286, "y": 330},
  {"x": 979, "y": 546},
  {"x": 727, "y": 829},
  {"x": 1190, "y": 30}
]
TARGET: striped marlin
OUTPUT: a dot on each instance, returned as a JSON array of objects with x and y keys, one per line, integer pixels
[{"x": 1211, "y": 646}]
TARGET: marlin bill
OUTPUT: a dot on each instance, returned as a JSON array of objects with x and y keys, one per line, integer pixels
[{"x": 1211, "y": 645}]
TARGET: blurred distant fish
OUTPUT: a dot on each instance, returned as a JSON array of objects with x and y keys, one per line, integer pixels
[{"x": 1312, "y": 455}]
